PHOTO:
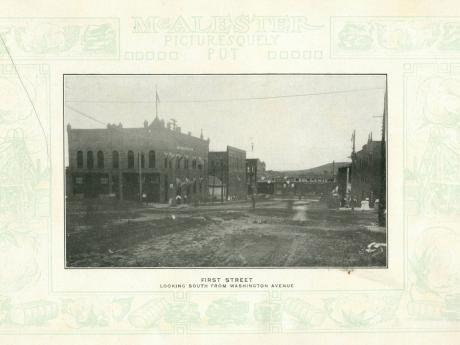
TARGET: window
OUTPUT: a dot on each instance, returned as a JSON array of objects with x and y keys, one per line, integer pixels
[
  {"x": 194, "y": 164},
  {"x": 170, "y": 164},
  {"x": 100, "y": 159},
  {"x": 130, "y": 160},
  {"x": 80, "y": 159},
  {"x": 186, "y": 163},
  {"x": 104, "y": 180},
  {"x": 166, "y": 162},
  {"x": 89, "y": 160},
  {"x": 115, "y": 160},
  {"x": 79, "y": 180},
  {"x": 142, "y": 160},
  {"x": 177, "y": 163},
  {"x": 151, "y": 159}
]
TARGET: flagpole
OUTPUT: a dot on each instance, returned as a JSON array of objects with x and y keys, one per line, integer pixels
[{"x": 156, "y": 101}]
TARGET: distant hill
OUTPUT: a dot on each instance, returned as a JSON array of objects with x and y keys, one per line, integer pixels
[{"x": 319, "y": 170}]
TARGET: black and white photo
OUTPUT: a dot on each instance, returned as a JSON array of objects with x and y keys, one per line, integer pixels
[{"x": 225, "y": 170}]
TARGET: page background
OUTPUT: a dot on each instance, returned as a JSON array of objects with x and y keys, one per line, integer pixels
[{"x": 414, "y": 42}]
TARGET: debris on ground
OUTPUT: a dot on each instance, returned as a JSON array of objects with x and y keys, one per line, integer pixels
[
  {"x": 259, "y": 221},
  {"x": 374, "y": 246},
  {"x": 214, "y": 237}
]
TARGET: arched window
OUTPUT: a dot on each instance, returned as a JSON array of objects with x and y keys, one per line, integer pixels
[
  {"x": 130, "y": 160},
  {"x": 89, "y": 160},
  {"x": 100, "y": 159},
  {"x": 151, "y": 159},
  {"x": 142, "y": 160},
  {"x": 80, "y": 159},
  {"x": 115, "y": 160}
]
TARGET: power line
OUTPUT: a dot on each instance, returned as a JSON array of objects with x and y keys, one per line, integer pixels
[
  {"x": 85, "y": 115},
  {"x": 230, "y": 99},
  {"x": 100, "y": 122}
]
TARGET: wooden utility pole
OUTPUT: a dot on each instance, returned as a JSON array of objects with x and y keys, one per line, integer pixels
[
  {"x": 140, "y": 175},
  {"x": 214, "y": 181},
  {"x": 353, "y": 138},
  {"x": 222, "y": 181},
  {"x": 333, "y": 170},
  {"x": 382, "y": 199}
]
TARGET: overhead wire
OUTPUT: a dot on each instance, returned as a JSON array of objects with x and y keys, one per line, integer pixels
[{"x": 227, "y": 99}]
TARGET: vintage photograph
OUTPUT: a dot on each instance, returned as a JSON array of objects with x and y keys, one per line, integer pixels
[{"x": 225, "y": 170}]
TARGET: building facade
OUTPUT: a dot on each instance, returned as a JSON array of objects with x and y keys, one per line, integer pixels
[
  {"x": 255, "y": 169},
  {"x": 230, "y": 167},
  {"x": 367, "y": 167},
  {"x": 344, "y": 184},
  {"x": 154, "y": 163}
]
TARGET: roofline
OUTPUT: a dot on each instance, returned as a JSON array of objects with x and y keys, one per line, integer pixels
[
  {"x": 134, "y": 129},
  {"x": 235, "y": 148}
]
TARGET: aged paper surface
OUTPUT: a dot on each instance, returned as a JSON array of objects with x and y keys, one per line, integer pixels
[{"x": 411, "y": 296}]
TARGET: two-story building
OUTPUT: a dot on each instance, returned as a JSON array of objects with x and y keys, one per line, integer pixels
[
  {"x": 153, "y": 163},
  {"x": 230, "y": 168}
]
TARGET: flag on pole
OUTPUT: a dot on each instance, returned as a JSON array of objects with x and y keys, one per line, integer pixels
[{"x": 157, "y": 99}]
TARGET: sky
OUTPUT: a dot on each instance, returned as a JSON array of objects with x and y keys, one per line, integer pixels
[{"x": 289, "y": 121}]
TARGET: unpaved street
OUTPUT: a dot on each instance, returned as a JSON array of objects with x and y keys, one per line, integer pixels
[{"x": 279, "y": 232}]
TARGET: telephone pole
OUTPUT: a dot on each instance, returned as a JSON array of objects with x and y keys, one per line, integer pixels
[
  {"x": 353, "y": 138},
  {"x": 333, "y": 170},
  {"x": 382, "y": 199},
  {"x": 140, "y": 175}
]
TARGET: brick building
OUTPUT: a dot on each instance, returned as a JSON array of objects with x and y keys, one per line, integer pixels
[
  {"x": 230, "y": 167},
  {"x": 113, "y": 160},
  {"x": 366, "y": 172},
  {"x": 255, "y": 169}
]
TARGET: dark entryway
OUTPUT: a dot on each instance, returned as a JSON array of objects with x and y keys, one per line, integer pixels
[
  {"x": 131, "y": 186},
  {"x": 151, "y": 187},
  {"x": 91, "y": 184}
]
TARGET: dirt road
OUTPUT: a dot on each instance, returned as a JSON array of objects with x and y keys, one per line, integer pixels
[{"x": 279, "y": 232}]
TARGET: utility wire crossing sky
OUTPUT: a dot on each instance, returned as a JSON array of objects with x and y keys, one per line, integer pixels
[{"x": 289, "y": 121}]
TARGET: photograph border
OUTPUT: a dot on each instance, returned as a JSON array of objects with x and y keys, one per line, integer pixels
[{"x": 350, "y": 268}]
